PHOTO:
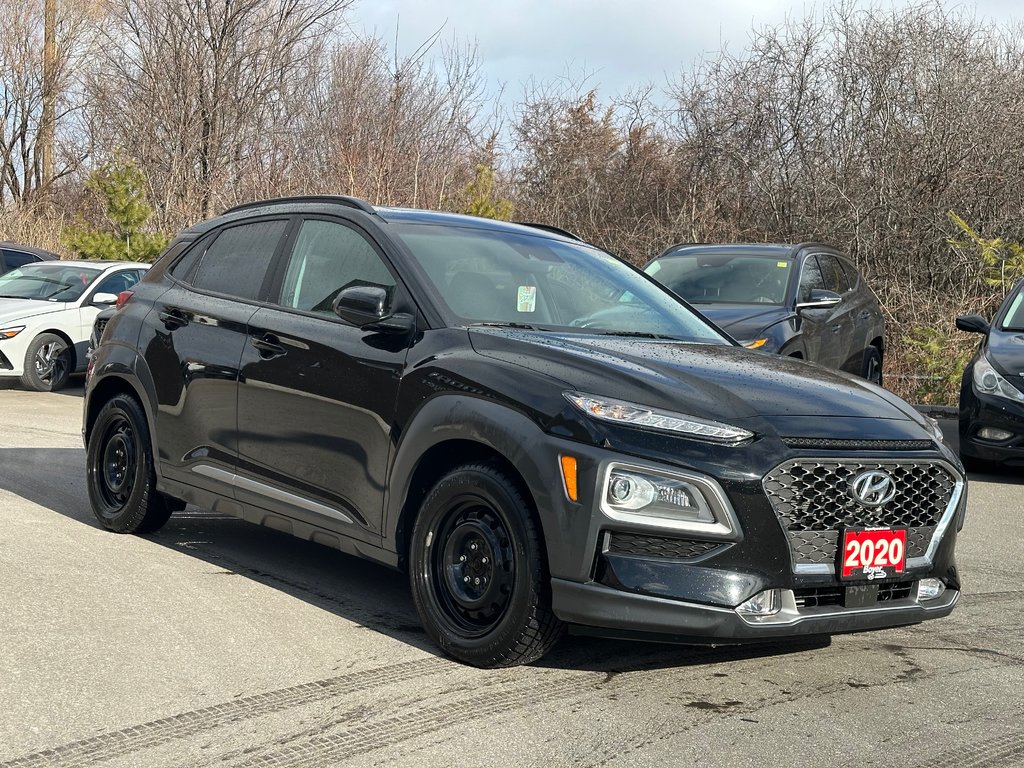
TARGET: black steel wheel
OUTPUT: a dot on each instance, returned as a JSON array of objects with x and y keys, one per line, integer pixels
[
  {"x": 47, "y": 363},
  {"x": 872, "y": 366},
  {"x": 478, "y": 573},
  {"x": 120, "y": 475}
]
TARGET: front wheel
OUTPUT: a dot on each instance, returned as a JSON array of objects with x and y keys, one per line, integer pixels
[
  {"x": 121, "y": 478},
  {"x": 871, "y": 368},
  {"x": 47, "y": 363},
  {"x": 477, "y": 570}
]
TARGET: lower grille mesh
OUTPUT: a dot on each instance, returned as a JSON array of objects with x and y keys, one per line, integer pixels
[{"x": 657, "y": 546}]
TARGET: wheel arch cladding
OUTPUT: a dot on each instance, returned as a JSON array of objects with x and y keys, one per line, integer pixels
[
  {"x": 453, "y": 430},
  {"x": 113, "y": 377}
]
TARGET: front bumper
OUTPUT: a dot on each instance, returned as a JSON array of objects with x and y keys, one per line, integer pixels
[
  {"x": 605, "y": 611},
  {"x": 978, "y": 411}
]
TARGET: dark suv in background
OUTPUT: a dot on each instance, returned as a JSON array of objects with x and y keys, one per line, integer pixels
[
  {"x": 807, "y": 300},
  {"x": 538, "y": 433},
  {"x": 14, "y": 255}
]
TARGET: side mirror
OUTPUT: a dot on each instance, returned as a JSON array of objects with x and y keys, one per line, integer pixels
[
  {"x": 819, "y": 299},
  {"x": 104, "y": 299},
  {"x": 366, "y": 307},
  {"x": 972, "y": 324}
]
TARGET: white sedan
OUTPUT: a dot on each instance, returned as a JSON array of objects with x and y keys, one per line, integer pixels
[{"x": 46, "y": 314}]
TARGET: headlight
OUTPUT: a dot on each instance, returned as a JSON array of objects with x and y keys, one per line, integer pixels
[
  {"x": 666, "y": 499},
  {"x": 631, "y": 414},
  {"x": 10, "y": 333},
  {"x": 989, "y": 382}
]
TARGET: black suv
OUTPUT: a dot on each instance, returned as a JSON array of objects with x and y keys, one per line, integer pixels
[
  {"x": 807, "y": 300},
  {"x": 541, "y": 435}
]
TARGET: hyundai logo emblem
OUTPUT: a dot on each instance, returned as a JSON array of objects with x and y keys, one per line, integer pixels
[{"x": 873, "y": 488}]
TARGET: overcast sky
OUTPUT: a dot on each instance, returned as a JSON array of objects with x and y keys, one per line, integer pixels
[{"x": 620, "y": 43}]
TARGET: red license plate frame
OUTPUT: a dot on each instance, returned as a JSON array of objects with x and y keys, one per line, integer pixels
[{"x": 871, "y": 553}]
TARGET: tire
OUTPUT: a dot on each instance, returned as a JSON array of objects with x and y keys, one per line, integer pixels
[
  {"x": 120, "y": 475},
  {"x": 477, "y": 570},
  {"x": 871, "y": 369},
  {"x": 47, "y": 363}
]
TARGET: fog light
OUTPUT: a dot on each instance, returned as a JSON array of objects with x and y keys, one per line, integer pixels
[
  {"x": 929, "y": 589},
  {"x": 991, "y": 433},
  {"x": 766, "y": 603}
]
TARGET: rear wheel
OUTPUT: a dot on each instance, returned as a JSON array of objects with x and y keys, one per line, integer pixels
[
  {"x": 121, "y": 478},
  {"x": 47, "y": 363},
  {"x": 477, "y": 571},
  {"x": 871, "y": 368}
]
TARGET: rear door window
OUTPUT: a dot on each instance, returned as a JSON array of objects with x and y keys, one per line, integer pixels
[
  {"x": 237, "y": 262},
  {"x": 17, "y": 259}
]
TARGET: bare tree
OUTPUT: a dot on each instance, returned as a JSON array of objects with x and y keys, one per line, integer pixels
[
  {"x": 42, "y": 108},
  {"x": 193, "y": 89}
]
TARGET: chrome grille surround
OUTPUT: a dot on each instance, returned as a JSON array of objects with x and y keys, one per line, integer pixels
[{"x": 811, "y": 500}]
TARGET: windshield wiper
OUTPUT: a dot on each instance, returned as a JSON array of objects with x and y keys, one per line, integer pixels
[
  {"x": 639, "y": 335},
  {"x": 509, "y": 324}
]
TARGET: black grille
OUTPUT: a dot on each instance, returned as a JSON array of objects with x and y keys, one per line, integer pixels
[
  {"x": 657, "y": 546},
  {"x": 817, "y": 597},
  {"x": 5, "y": 364},
  {"x": 98, "y": 327},
  {"x": 812, "y": 501},
  {"x": 814, "y": 443}
]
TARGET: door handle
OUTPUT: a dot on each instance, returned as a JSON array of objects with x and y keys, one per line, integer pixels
[
  {"x": 837, "y": 328},
  {"x": 267, "y": 346},
  {"x": 172, "y": 318}
]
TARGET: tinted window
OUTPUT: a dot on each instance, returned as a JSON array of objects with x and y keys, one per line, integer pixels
[
  {"x": 810, "y": 278},
  {"x": 852, "y": 275},
  {"x": 832, "y": 273},
  {"x": 327, "y": 258},
  {"x": 17, "y": 259},
  {"x": 237, "y": 261}
]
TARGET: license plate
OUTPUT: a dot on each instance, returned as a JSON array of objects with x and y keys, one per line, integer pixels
[{"x": 873, "y": 553}]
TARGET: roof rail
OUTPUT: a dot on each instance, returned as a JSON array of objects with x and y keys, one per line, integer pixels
[
  {"x": 674, "y": 246},
  {"x": 346, "y": 200},
  {"x": 551, "y": 228}
]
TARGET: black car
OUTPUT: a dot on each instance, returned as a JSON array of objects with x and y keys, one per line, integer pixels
[
  {"x": 14, "y": 255},
  {"x": 539, "y": 434},
  {"x": 992, "y": 389},
  {"x": 806, "y": 301}
]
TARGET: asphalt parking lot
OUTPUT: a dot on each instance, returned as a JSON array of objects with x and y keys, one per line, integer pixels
[{"x": 218, "y": 643}]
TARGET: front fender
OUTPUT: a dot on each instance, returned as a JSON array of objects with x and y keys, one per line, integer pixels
[{"x": 496, "y": 428}]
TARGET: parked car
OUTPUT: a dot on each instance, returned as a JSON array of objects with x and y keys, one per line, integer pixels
[
  {"x": 539, "y": 434},
  {"x": 46, "y": 314},
  {"x": 14, "y": 255},
  {"x": 806, "y": 301},
  {"x": 992, "y": 389}
]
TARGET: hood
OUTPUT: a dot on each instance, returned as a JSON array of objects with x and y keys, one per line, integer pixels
[
  {"x": 718, "y": 382},
  {"x": 16, "y": 310},
  {"x": 1006, "y": 351},
  {"x": 744, "y": 321}
]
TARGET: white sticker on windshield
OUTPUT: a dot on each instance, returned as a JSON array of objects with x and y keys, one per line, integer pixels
[{"x": 527, "y": 298}]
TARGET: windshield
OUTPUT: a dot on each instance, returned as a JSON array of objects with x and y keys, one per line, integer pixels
[
  {"x": 508, "y": 278},
  {"x": 47, "y": 282},
  {"x": 723, "y": 278},
  {"x": 1014, "y": 320}
]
